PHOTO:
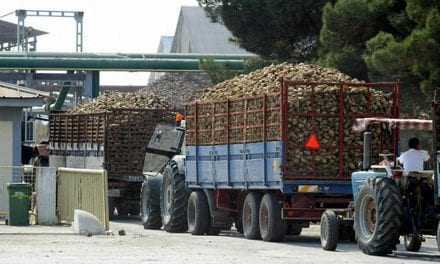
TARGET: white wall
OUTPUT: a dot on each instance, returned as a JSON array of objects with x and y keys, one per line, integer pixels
[{"x": 10, "y": 136}]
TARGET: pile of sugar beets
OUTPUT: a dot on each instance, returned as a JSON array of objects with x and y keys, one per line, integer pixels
[{"x": 301, "y": 161}]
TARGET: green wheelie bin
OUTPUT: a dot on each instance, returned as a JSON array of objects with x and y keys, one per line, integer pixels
[{"x": 19, "y": 203}]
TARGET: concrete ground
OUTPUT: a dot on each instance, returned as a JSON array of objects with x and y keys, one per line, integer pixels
[{"x": 57, "y": 244}]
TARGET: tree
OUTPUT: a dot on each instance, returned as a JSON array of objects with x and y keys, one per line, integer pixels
[
  {"x": 274, "y": 29},
  {"x": 382, "y": 40}
]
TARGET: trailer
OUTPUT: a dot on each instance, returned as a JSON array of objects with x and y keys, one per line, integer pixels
[
  {"x": 236, "y": 163},
  {"x": 114, "y": 140}
]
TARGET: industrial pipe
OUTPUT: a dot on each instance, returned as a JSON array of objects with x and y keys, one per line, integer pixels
[
  {"x": 129, "y": 55},
  {"x": 109, "y": 64}
]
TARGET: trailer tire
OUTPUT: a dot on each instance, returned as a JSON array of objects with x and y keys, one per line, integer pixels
[
  {"x": 329, "y": 230},
  {"x": 378, "y": 216},
  {"x": 174, "y": 200},
  {"x": 150, "y": 202},
  {"x": 272, "y": 227},
  {"x": 412, "y": 243},
  {"x": 198, "y": 214},
  {"x": 250, "y": 216}
]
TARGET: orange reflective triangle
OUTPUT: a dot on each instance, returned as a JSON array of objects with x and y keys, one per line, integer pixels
[{"x": 312, "y": 142}]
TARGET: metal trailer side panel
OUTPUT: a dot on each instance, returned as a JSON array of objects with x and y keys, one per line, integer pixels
[{"x": 249, "y": 166}]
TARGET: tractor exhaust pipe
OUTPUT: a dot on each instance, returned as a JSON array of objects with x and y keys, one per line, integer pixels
[{"x": 366, "y": 162}]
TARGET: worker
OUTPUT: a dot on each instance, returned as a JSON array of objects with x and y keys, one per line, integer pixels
[{"x": 413, "y": 159}]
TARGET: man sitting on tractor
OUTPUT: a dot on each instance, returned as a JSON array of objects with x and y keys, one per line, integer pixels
[{"x": 414, "y": 158}]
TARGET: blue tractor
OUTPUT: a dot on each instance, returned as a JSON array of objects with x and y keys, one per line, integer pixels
[{"x": 387, "y": 202}]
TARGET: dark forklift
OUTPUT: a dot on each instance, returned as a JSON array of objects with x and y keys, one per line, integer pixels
[{"x": 389, "y": 203}]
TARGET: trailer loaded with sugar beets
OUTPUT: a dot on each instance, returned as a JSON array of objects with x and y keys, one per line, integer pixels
[
  {"x": 268, "y": 164},
  {"x": 388, "y": 201},
  {"x": 114, "y": 139}
]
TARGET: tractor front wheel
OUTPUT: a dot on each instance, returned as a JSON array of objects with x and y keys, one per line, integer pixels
[
  {"x": 378, "y": 216},
  {"x": 329, "y": 230}
]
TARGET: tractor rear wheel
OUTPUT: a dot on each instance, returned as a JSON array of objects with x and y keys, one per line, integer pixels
[
  {"x": 329, "y": 230},
  {"x": 378, "y": 216},
  {"x": 199, "y": 221},
  {"x": 413, "y": 243},
  {"x": 272, "y": 228},
  {"x": 174, "y": 199},
  {"x": 150, "y": 202},
  {"x": 250, "y": 216}
]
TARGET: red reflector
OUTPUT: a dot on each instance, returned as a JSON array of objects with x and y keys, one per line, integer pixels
[{"x": 312, "y": 142}]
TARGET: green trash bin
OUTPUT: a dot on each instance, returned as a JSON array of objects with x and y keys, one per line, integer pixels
[{"x": 19, "y": 203}]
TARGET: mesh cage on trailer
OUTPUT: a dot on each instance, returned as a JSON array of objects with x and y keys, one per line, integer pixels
[
  {"x": 299, "y": 110},
  {"x": 122, "y": 133},
  {"x": 329, "y": 110}
]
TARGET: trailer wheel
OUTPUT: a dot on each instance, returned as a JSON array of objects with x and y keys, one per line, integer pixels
[
  {"x": 378, "y": 216},
  {"x": 250, "y": 216},
  {"x": 412, "y": 243},
  {"x": 174, "y": 200},
  {"x": 150, "y": 202},
  {"x": 272, "y": 228},
  {"x": 329, "y": 230},
  {"x": 198, "y": 214}
]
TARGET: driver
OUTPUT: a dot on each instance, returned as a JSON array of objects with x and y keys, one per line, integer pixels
[{"x": 414, "y": 157}]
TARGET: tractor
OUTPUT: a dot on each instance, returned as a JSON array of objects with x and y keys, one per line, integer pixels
[{"x": 388, "y": 202}]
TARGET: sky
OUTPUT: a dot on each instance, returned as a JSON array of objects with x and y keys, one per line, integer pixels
[{"x": 109, "y": 26}]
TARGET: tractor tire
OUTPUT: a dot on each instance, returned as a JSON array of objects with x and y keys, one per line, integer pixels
[
  {"x": 412, "y": 243},
  {"x": 329, "y": 230},
  {"x": 174, "y": 200},
  {"x": 272, "y": 227},
  {"x": 150, "y": 202},
  {"x": 250, "y": 216},
  {"x": 378, "y": 216},
  {"x": 199, "y": 218}
]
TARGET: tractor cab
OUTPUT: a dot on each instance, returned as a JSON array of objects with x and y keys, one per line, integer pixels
[
  {"x": 390, "y": 202},
  {"x": 388, "y": 164}
]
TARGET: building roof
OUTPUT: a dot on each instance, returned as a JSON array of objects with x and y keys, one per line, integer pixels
[
  {"x": 17, "y": 96},
  {"x": 196, "y": 33},
  {"x": 8, "y": 32}
]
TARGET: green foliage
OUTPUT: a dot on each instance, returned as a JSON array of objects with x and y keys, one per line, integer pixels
[
  {"x": 274, "y": 29},
  {"x": 218, "y": 72},
  {"x": 383, "y": 40}
]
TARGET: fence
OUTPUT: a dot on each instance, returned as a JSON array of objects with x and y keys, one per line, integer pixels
[{"x": 82, "y": 189}]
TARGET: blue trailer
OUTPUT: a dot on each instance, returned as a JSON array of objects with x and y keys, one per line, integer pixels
[{"x": 244, "y": 162}]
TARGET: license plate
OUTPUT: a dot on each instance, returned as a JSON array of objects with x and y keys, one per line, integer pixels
[{"x": 308, "y": 188}]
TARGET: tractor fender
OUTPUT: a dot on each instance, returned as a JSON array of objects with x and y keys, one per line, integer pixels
[{"x": 180, "y": 161}]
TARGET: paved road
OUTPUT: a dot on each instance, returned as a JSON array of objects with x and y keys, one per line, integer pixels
[{"x": 38, "y": 244}]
